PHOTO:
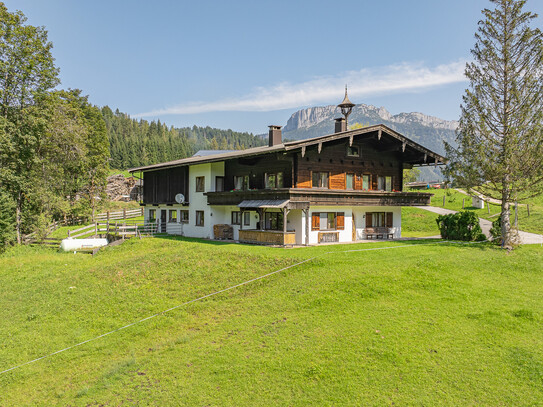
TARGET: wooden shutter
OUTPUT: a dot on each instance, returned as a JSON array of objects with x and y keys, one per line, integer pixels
[
  {"x": 315, "y": 221},
  {"x": 368, "y": 220},
  {"x": 340, "y": 220},
  {"x": 389, "y": 219}
]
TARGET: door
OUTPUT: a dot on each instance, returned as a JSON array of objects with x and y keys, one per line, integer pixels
[{"x": 163, "y": 220}]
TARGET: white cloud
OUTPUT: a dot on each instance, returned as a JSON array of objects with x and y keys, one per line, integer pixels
[{"x": 391, "y": 79}]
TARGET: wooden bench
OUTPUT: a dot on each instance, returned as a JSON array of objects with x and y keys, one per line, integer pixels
[{"x": 379, "y": 233}]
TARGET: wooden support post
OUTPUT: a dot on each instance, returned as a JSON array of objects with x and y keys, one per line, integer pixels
[
  {"x": 95, "y": 228},
  {"x": 307, "y": 220},
  {"x": 123, "y": 230},
  {"x": 124, "y": 213},
  {"x": 285, "y": 213},
  {"x": 528, "y": 209},
  {"x": 488, "y": 207},
  {"x": 463, "y": 202},
  {"x": 443, "y": 200},
  {"x": 107, "y": 216},
  {"x": 68, "y": 232}
]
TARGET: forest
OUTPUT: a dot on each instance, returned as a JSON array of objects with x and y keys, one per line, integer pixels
[{"x": 134, "y": 143}]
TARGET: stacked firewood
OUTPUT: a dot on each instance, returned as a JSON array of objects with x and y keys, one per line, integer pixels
[{"x": 118, "y": 187}]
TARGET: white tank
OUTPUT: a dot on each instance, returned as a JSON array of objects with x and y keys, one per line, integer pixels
[{"x": 69, "y": 245}]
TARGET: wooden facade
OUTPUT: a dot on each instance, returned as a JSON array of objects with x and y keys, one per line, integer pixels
[{"x": 161, "y": 186}]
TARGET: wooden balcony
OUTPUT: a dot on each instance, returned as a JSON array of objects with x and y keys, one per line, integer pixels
[
  {"x": 299, "y": 197},
  {"x": 272, "y": 237}
]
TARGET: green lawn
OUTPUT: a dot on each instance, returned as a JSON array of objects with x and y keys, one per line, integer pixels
[
  {"x": 454, "y": 200},
  {"x": 418, "y": 223},
  {"x": 428, "y": 324}
]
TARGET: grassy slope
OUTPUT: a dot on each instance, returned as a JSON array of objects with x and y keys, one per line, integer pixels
[
  {"x": 453, "y": 200},
  {"x": 425, "y": 324}
]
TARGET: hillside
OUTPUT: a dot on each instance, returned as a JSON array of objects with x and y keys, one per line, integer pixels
[
  {"x": 136, "y": 143},
  {"x": 411, "y": 323},
  {"x": 426, "y": 130}
]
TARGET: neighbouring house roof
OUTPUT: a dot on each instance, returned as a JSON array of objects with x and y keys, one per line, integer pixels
[
  {"x": 266, "y": 203},
  {"x": 424, "y": 156},
  {"x": 205, "y": 153}
]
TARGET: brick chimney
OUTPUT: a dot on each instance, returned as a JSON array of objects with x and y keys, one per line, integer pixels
[
  {"x": 275, "y": 135},
  {"x": 341, "y": 125}
]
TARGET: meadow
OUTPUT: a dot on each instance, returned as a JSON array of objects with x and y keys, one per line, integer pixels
[{"x": 404, "y": 323}]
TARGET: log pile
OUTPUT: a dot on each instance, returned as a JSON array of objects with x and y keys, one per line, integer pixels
[{"x": 119, "y": 188}]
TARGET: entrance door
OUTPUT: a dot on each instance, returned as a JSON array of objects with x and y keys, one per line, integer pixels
[{"x": 163, "y": 220}]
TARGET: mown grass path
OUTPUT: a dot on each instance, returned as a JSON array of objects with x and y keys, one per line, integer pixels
[{"x": 427, "y": 324}]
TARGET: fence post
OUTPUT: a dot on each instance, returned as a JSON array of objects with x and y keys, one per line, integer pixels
[
  {"x": 96, "y": 228},
  {"x": 488, "y": 207},
  {"x": 463, "y": 201},
  {"x": 443, "y": 200},
  {"x": 68, "y": 232},
  {"x": 116, "y": 230},
  {"x": 528, "y": 208},
  {"x": 124, "y": 213},
  {"x": 107, "y": 216},
  {"x": 124, "y": 229}
]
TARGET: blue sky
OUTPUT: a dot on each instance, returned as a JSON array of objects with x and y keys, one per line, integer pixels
[{"x": 247, "y": 64}]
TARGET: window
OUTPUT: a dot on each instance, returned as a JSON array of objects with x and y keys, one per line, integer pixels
[
  {"x": 184, "y": 216},
  {"x": 349, "y": 181},
  {"x": 199, "y": 218},
  {"x": 274, "y": 221},
  {"x": 366, "y": 182},
  {"x": 353, "y": 151},
  {"x": 328, "y": 221},
  {"x": 381, "y": 183},
  {"x": 379, "y": 219},
  {"x": 241, "y": 182},
  {"x": 274, "y": 180},
  {"x": 200, "y": 184},
  {"x": 152, "y": 215},
  {"x": 320, "y": 179},
  {"x": 384, "y": 183},
  {"x": 219, "y": 184},
  {"x": 246, "y": 218},
  {"x": 172, "y": 218},
  {"x": 236, "y": 218}
]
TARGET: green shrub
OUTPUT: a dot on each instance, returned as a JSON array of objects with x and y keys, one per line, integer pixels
[
  {"x": 460, "y": 226},
  {"x": 496, "y": 230}
]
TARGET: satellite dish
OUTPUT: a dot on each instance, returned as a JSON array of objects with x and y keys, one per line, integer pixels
[{"x": 179, "y": 198}]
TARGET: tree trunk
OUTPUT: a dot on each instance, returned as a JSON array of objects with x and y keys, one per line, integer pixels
[
  {"x": 506, "y": 219},
  {"x": 18, "y": 219}
]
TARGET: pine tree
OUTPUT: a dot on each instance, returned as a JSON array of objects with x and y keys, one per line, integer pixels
[{"x": 500, "y": 138}]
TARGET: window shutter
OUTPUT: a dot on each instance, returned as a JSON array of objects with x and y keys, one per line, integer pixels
[
  {"x": 389, "y": 219},
  {"x": 315, "y": 221},
  {"x": 340, "y": 220},
  {"x": 368, "y": 220}
]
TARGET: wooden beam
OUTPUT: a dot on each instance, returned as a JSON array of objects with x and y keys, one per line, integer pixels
[
  {"x": 351, "y": 140},
  {"x": 379, "y": 134},
  {"x": 403, "y": 146},
  {"x": 303, "y": 151},
  {"x": 435, "y": 163},
  {"x": 425, "y": 157},
  {"x": 320, "y": 147}
]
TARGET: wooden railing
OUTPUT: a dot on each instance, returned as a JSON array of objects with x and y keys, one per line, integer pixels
[{"x": 124, "y": 214}]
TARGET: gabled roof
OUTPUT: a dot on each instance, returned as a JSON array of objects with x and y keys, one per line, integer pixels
[{"x": 418, "y": 154}]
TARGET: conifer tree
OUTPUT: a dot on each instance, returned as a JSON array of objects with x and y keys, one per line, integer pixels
[{"x": 500, "y": 138}]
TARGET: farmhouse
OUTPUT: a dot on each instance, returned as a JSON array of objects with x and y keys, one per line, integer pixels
[{"x": 341, "y": 187}]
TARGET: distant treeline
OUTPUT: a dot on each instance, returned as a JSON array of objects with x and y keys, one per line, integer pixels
[{"x": 135, "y": 143}]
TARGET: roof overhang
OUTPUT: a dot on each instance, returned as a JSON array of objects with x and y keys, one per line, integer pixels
[{"x": 263, "y": 203}]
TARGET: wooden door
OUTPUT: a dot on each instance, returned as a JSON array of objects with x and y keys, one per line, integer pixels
[{"x": 163, "y": 220}]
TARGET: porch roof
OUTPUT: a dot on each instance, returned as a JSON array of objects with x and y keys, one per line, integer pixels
[{"x": 264, "y": 203}]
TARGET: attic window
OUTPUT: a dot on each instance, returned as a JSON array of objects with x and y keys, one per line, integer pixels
[{"x": 353, "y": 151}]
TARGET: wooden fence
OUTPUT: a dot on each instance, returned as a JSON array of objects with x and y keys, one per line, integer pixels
[{"x": 124, "y": 214}]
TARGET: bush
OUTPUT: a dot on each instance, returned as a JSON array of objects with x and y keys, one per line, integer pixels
[
  {"x": 460, "y": 226},
  {"x": 496, "y": 230}
]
